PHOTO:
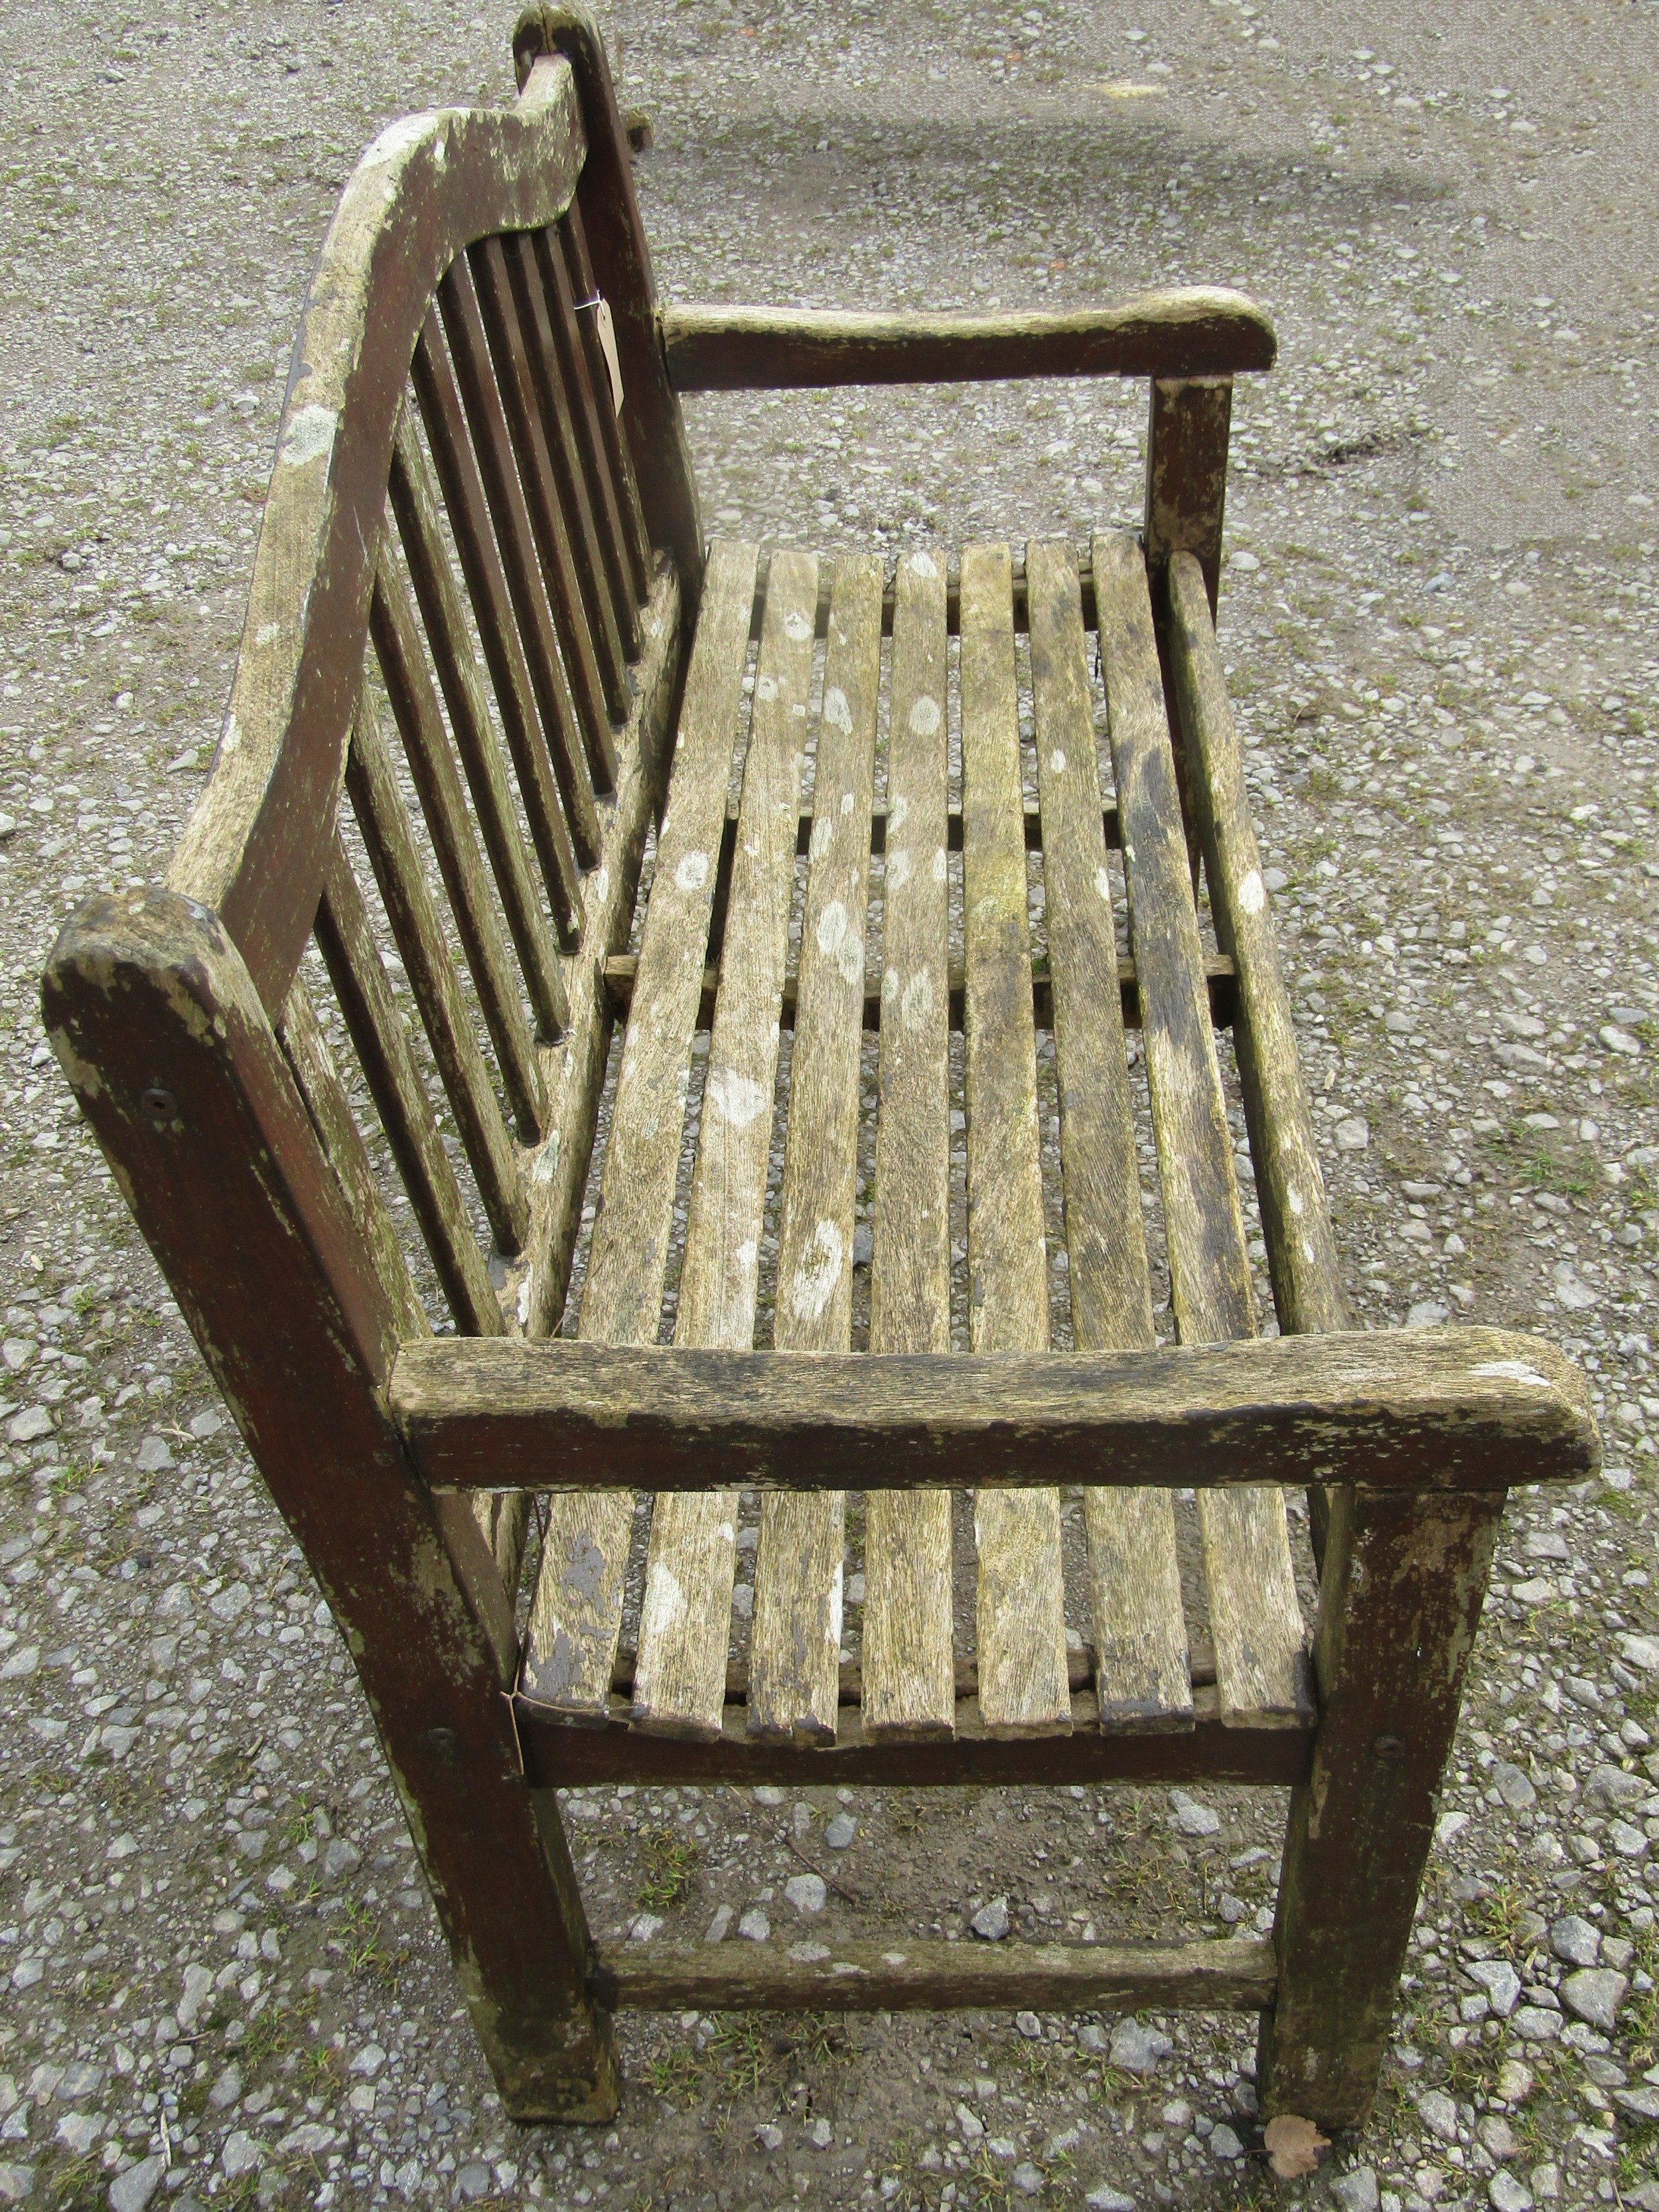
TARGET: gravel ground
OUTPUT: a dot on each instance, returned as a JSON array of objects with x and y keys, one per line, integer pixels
[{"x": 225, "y": 1980}]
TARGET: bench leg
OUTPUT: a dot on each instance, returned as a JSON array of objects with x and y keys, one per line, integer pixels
[
  {"x": 173, "y": 1057},
  {"x": 500, "y": 1872},
  {"x": 1404, "y": 1578}
]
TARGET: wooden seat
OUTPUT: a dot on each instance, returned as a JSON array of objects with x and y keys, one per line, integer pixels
[
  {"x": 907, "y": 1682},
  {"x": 358, "y": 1070}
]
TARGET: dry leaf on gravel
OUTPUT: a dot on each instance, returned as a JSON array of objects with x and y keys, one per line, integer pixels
[{"x": 1293, "y": 2146}]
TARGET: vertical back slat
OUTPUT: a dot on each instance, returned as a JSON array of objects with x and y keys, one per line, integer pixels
[
  {"x": 383, "y": 823},
  {"x": 529, "y": 437},
  {"x": 308, "y": 1055},
  {"x": 1020, "y": 1614},
  {"x": 576, "y": 1615},
  {"x": 555, "y": 399},
  {"x": 415, "y": 506},
  {"x": 463, "y": 323},
  {"x": 502, "y": 1520},
  {"x": 1141, "y": 1660},
  {"x": 440, "y": 401},
  {"x": 908, "y": 1670},
  {"x": 1255, "y": 1617},
  {"x": 679, "y": 1683},
  {"x": 432, "y": 766},
  {"x": 795, "y": 1643},
  {"x": 365, "y": 997},
  {"x": 612, "y": 494},
  {"x": 674, "y": 486}
]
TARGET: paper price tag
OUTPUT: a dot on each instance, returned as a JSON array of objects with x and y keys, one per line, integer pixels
[{"x": 605, "y": 324}]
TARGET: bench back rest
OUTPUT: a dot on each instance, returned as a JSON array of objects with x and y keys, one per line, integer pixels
[{"x": 445, "y": 725}]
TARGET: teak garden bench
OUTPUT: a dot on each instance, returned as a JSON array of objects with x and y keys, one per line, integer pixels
[{"x": 488, "y": 660}]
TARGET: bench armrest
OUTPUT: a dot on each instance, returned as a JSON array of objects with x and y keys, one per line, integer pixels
[
  {"x": 1463, "y": 1409},
  {"x": 1193, "y": 331}
]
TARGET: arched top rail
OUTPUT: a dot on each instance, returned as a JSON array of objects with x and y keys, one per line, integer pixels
[{"x": 427, "y": 188}]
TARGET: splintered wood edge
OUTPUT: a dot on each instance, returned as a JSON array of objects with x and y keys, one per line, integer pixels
[
  {"x": 1198, "y": 331},
  {"x": 1453, "y": 1409},
  {"x": 1221, "y": 1974}
]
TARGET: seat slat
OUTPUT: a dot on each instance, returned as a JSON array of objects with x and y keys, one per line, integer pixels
[
  {"x": 530, "y": 443},
  {"x": 795, "y": 1643},
  {"x": 365, "y": 996},
  {"x": 1142, "y": 1677},
  {"x": 679, "y": 1683},
  {"x": 1254, "y": 1616},
  {"x": 1296, "y": 1219},
  {"x": 415, "y": 507},
  {"x": 909, "y": 1686},
  {"x": 440, "y": 401},
  {"x": 576, "y": 1614},
  {"x": 576, "y": 1073},
  {"x": 432, "y": 768},
  {"x": 1020, "y": 1622},
  {"x": 547, "y": 370},
  {"x": 463, "y": 322},
  {"x": 602, "y": 487},
  {"x": 381, "y": 818},
  {"x": 571, "y": 235}
]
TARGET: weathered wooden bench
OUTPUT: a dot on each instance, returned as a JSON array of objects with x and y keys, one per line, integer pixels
[{"x": 349, "y": 1067}]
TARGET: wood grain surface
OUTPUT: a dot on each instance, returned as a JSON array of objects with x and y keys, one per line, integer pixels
[
  {"x": 612, "y": 649},
  {"x": 1135, "y": 1578},
  {"x": 1187, "y": 471},
  {"x": 565, "y": 712},
  {"x": 620, "y": 532},
  {"x": 907, "y": 1689},
  {"x": 254, "y": 849},
  {"x": 1195, "y": 331},
  {"x": 557, "y": 1755},
  {"x": 1451, "y": 1408},
  {"x": 280, "y": 1289},
  {"x": 686, "y": 1618},
  {"x": 1290, "y": 1183},
  {"x": 614, "y": 258},
  {"x": 378, "y": 806},
  {"x": 576, "y": 1613},
  {"x": 364, "y": 994},
  {"x": 1020, "y": 1610},
  {"x": 1255, "y": 1617},
  {"x": 575, "y": 1068},
  {"x": 1233, "y": 1973},
  {"x": 473, "y": 904},
  {"x": 414, "y": 502},
  {"x": 1404, "y": 1583},
  {"x": 432, "y": 376},
  {"x": 531, "y": 436},
  {"x": 795, "y": 1642},
  {"x": 619, "y": 972}
]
